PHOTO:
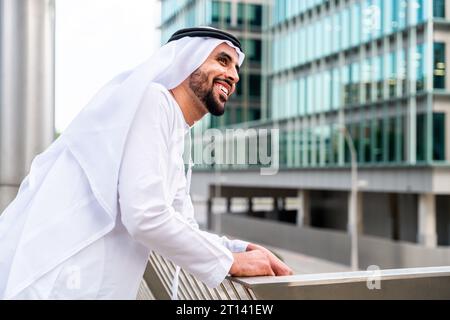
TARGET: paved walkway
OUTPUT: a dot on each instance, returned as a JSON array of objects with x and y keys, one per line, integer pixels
[{"x": 304, "y": 264}]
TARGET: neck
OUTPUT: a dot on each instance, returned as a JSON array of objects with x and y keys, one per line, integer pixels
[{"x": 191, "y": 107}]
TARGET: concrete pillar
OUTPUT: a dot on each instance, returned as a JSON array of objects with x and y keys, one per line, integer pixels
[
  {"x": 26, "y": 88},
  {"x": 303, "y": 210},
  {"x": 228, "y": 205},
  {"x": 427, "y": 234},
  {"x": 250, "y": 204}
]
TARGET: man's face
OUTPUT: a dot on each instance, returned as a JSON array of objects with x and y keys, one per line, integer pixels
[{"x": 215, "y": 80}]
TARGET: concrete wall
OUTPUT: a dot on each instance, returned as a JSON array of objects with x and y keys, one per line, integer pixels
[
  {"x": 378, "y": 215},
  {"x": 334, "y": 245},
  {"x": 329, "y": 209},
  {"x": 443, "y": 219},
  {"x": 377, "y": 220}
]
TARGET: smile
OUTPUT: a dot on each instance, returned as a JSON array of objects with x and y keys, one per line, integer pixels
[{"x": 222, "y": 88}]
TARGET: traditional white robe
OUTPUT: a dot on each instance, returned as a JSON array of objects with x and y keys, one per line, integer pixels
[{"x": 110, "y": 189}]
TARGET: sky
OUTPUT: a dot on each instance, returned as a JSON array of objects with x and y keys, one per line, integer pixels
[{"x": 96, "y": 40}]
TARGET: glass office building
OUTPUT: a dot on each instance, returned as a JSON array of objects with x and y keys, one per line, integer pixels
[
  {"x": 373, "y": 67},
  {"x": 243, "y": 19},
  {"x": 364, "y": 73}
]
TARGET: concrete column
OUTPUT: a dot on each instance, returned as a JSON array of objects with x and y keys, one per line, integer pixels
[
  {"x": 209, "y": 214},
  {"x": 250, "y": 204},
  {"x": 228, "y": 204},
  {"x": 303, "y": 211},
  {"x": 26, "y": 88},
  {"x": 427, "y": 234}
]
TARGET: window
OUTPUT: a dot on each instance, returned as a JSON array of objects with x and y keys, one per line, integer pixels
[
  {"x": 377, "y": 140},
  {"x": 400, "y": 144},
  {"x": 250, "y": 13},
  {"x": 302, "y": 96},
  {"x": 239, "y": 88},
  {"x": 309, "y": 94},
  {"x": 367, "y": 78},
  {"x": 215, "y": 12},
  {"x": 345, "y": 28},
  {"x": 356, "y": 24},
  {"x": 439, "y": 136},
  {"x": 392, "y": 74},
  {"x": 365, "y": 152},
  {"x": 378, "y": 76},
  {"x": 255, "y": 85},
  {"x": 420, "y": 68},
  {"x": 398, "y": 14},
  {"x": 346, "y": 73},
  {"x": 221, "y": 11},
  {"x": 392, "y": 138},
  {"x": 238, "y": 116},
  {"x": 327, "y": 92},
  {"x": 241, "y": 14},
  {"x": 336, "y": 89},
  {"x": 252, "y": 49},
  {"x": 254, "y": 114},
  {"x": 439, "y": 66},
  {"x": 354, "y": 131},
  {"x": 439, "y": 8},
  {"x": 337, "y": 32},
  {"x": 227, "y": 12},
  {"x": 255, "y": 15},
  {"x": 421, "y": 137},
  {"x": 402, "y": 70}
]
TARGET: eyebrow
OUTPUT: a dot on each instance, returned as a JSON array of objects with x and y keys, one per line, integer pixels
[{"x": 228, "y": 57}]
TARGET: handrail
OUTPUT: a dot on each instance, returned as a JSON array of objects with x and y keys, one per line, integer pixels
[{"x": 406, "y": 283}]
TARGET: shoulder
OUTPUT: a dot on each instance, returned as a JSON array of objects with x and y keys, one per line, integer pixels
[
  {"x": 156, "y": 104},
  {"x": 158, "y": 93}
]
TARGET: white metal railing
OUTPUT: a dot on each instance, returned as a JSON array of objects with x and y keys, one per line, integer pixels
[{"x": 407, "y": 283}]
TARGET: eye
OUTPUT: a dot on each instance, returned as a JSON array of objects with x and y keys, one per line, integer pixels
[{"x": 222, "y": 60}]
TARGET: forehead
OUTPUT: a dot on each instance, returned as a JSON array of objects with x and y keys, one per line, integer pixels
[{"x": 224, "y": 47}]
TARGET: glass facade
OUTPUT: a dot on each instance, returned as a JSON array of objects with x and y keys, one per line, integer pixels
[
  {"x": 369, "y": 66},
  {"x": 332, "y": 31},
  {"x": 439, "y": 66},
  {"x": 439, "y": 8},
  {"x": 358, "y": 65}
]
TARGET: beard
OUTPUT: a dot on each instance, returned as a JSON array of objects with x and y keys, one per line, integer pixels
[{"x": 198, "y": 83}]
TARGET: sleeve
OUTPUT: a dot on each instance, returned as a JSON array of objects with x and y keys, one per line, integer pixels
[
  {"x": 183, "y": 203},
  {"x": 143, "y": 199}
]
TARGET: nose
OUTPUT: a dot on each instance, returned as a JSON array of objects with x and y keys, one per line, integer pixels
[{"x": 232, "y": 75}]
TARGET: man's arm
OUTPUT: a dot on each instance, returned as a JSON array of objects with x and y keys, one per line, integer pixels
[
  {"x": 150, "y": 218},
  {"x": 183, "y": 204}
]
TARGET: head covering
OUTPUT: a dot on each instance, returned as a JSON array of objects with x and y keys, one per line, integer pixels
[
  {"x": 52, "y": 217},
  {"x": 207, "y": 32}
]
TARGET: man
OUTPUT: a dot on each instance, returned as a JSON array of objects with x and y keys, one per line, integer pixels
[{"x": 112, "y": 187}]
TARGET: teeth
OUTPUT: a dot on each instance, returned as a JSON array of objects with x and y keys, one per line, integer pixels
[{"x": 224, "y": 90}]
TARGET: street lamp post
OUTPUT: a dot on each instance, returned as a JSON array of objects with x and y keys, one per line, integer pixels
[{"x": 353, "y": 218}]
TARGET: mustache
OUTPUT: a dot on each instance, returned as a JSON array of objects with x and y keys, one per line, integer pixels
[{"x": 225, "y": 80}]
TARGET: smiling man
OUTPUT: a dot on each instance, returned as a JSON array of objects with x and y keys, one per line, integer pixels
[{"x": 112, "y": 187}]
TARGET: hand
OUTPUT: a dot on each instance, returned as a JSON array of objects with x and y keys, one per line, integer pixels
[
  {"x": 251, "y": 264},
  {"x": 278, "y": 266}
]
